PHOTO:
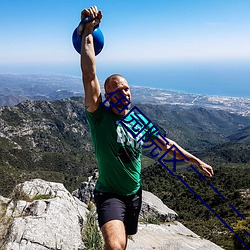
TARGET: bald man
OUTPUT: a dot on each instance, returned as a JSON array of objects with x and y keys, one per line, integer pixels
[{"x": 118, "y": 192}]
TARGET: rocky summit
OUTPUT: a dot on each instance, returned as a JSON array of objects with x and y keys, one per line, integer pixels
[{"x": 43, "y": 215}]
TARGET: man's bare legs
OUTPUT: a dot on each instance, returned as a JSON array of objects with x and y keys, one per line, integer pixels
[{"x": 114, "y": 235}]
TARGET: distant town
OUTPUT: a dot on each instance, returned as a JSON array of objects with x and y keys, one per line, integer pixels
[
  {"x": 16, "y": 88},
  {"x": 158, "y": 96}
]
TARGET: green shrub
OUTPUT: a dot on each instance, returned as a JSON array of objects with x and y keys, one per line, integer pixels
[
  {"x": 151, "y": 219},
  {"x": 91, "y": 235},
  {"x": 239, "y": 227}
]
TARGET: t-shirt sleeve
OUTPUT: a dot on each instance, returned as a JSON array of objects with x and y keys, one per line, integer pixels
[{"x": 94, "y": 117}]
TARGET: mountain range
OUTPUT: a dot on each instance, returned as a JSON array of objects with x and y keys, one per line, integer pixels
[{"x": 53, "y": 136}]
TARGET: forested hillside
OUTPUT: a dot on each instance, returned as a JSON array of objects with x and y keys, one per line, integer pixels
[
  {"x": 44, "y": 139},
  {"x": 231, "y": 180}
]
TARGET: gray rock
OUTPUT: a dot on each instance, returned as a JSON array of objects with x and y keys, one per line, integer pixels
[
  {"x": 152, "y": 206},
  {"x": 85, "y": 192},
  {"x": 44, "y": 215},
  {"x": 245, "y": 193},
  {"x": 47, "y": 216},
  {"x": 169, "y": 236}
]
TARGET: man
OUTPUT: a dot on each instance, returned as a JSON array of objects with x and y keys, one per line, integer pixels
[{"x": 118, "y": 189}]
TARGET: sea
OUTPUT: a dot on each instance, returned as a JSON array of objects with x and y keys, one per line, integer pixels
[
  {"x": 215, "y": 79},
  {"x": 230, "y": 79}
]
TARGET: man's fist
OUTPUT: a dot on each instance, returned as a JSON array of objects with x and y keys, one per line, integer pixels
[{"x": 94, "y": 14}]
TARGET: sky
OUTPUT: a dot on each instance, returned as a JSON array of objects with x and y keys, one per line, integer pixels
[{"x": 152, "y": 36}]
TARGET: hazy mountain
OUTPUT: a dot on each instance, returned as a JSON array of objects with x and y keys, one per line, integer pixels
[{"x": 15, "y": 88}]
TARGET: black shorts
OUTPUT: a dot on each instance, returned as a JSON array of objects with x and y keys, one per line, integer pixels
[{"x": 117, "y": 207}]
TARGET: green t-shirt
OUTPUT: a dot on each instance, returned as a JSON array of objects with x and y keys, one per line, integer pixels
[{"x": 118, "y": 152}]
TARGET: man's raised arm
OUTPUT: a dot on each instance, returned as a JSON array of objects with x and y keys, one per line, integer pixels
[
  {"x": 88, "y": 64},
  {"x": 205, "y": 168}
]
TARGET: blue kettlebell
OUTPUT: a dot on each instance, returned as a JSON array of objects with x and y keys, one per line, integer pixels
[{"x": 98, "y": 37}]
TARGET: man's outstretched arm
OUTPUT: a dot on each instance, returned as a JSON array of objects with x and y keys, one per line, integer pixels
[
  {"x": 88, "y": 64},
  {"x": 205, "y": 168}
]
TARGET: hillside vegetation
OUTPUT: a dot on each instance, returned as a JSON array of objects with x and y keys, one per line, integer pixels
[
  {"x": 230, "y": 180},
  {"x": 45, "y": 139}
]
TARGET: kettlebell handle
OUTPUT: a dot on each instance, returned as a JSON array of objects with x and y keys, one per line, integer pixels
[{"x": 86, "y": 20}]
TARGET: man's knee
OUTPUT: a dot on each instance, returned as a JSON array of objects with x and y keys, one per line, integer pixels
[
  {"x": 115, "y": 245},
  {"x": 114, "y": 235}
]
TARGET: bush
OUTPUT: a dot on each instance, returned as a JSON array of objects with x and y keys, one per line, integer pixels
[
  {"x": 91, "y": 235},
  {"x": 239, "y": 228}
]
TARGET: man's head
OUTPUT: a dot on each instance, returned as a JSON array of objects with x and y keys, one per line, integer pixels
[{"x": 117, "y": 83}]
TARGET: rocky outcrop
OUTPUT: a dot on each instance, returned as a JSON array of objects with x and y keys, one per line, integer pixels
[
  {"x": 245, "y": 193},
  {"x": 152, "y": 206},
  {"x": 168, "y": 236},
  {"x": 43, "y": 215},
  {"x": 85, "y": 192},
  {"x": 44, "y": 137}
]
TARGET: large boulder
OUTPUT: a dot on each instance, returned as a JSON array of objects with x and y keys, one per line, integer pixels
[
  {"x": 168, "y": 236},
  {"x": 42, "y": 215},
  {"x": 152, "y": 206},
  {"x": 85, "y": 192}
]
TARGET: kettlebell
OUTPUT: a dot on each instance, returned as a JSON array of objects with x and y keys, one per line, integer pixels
[{"x": 98, "y": 37}]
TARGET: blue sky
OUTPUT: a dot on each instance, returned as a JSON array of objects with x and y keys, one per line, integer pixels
[{"x": 35, "y": 35}]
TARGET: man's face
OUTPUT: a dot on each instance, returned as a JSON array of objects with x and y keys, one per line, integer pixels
[{"x": 120, "y": 85}]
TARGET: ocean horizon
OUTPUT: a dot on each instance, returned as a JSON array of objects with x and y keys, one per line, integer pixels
[{"x": 229, "y": 79}]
